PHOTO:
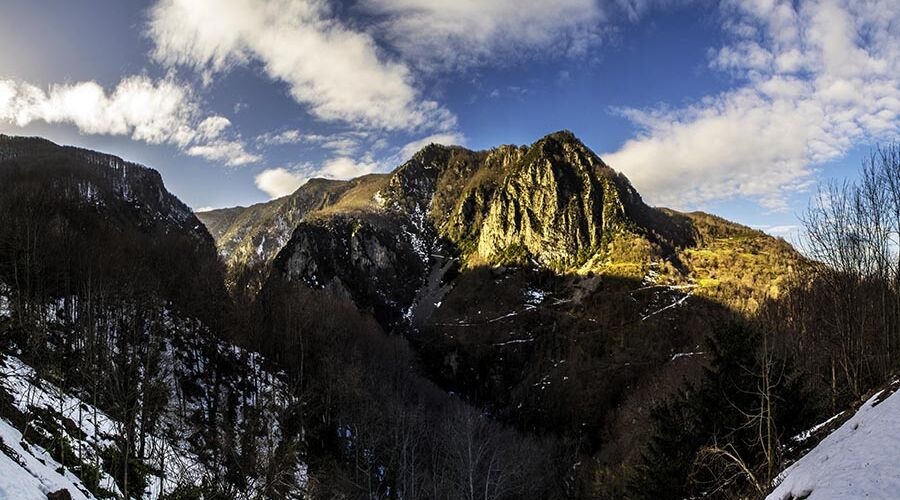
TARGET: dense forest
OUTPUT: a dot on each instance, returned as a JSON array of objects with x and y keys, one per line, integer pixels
[{"x": 688, "y": 377}]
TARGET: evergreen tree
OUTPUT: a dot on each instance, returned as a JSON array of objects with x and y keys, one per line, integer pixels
[{"x": 723, "y": 439}]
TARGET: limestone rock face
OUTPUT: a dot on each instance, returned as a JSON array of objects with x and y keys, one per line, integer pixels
[
  {"x": 555, "y": 205},
  {"x": 249, "y": 238}
]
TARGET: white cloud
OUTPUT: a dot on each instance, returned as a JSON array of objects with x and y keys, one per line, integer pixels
[
  {"x": 411, "y": 148},
  {"x": 282, "y": 181},
  {"x": 447, "y": 34},
  {"x": 341, "y": 143},
  {"x": 784, "y": 231},
  {"x": 278, "y": 182},
  {"x": 815, "y": 82},
  {"x": 155, "y": 112},
  {"x": 231, "y": 153},
  {"x": 344, "y": 146},
  {"x": 346, "y": 168},
  {"x": 337, "y": 72},
  {"x": 212, "y": 127},
  {"x": 291, "y": 136}
]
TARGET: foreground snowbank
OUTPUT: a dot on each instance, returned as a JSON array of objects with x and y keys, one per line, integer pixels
[
  {"x": 28, "y": 472},
  {"x": 861, "y": 459}
]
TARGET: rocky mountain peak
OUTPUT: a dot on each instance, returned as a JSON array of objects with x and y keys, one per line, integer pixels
[
  {"x": 552, "y": 205},
  {"x": 554, "y": 202}
]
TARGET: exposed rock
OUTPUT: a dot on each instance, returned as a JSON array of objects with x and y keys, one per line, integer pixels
[
  {"x": 62, "y": 494},
  {"x": 555, "y": 204},
  {"x": 249, "y": 238},
  {"x": 368, "y": 259}
]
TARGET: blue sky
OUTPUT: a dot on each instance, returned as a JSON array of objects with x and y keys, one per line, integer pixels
[{"x": 734, "y": 107}]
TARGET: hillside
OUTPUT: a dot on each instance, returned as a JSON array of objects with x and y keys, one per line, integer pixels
[
  {"x": 249, "y": 238},
  {"x": 114, "y": 362},
  {"x": 90, "y": 179},
  {"x": 553, "y": 204},
  {"x": 76, "y": 215}
]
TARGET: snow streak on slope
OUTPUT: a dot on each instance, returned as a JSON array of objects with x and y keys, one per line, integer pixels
[
  {"x": 858, "y": 460},
  {"x": 89, "y": 431},
  {"x": 26, "y": 469}
]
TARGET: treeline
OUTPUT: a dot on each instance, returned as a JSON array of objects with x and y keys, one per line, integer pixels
[
  {"x": 726, "y": 436},
  {"x": 843, "y": 316},
  {"x": 123, "y": 306}
]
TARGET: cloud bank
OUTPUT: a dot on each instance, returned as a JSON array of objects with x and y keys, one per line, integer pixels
[
  {"x": 155, "y": 112},
  {"x": 815, "y": 81},
  {"x": 454, "y": 34},
  {"x": 278, "y": 182},
  {"x": 337, "y": 72}
]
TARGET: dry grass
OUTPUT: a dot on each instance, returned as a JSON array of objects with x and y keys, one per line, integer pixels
[{"x": 358, "y": 198}]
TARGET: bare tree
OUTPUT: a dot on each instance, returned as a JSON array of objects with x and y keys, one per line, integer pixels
[{"x": 853, "y": 235}]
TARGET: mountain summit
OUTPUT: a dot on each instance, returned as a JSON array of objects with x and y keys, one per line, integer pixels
[{"x": 555, "y": 202}]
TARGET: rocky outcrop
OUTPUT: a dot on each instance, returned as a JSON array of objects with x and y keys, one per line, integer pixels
[
  {"x": 249, "y": 235},
  {"x": 368, "y": 260},
  {"x": 249, "y": 238},
  {"x": 555, "y": 205}
]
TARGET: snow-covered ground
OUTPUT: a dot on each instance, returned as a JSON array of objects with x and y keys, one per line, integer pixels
[
  {"x": 28, "y": 472},
  {"x": 535, "y": 296},
  {"x": 861, "y": 459},
  {"x": 29, "y": 391},
  {"x": 5, "y": 306}
]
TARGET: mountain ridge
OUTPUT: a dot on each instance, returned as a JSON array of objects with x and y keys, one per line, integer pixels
[
  {"x": 554, "y": 204},
  {"x": 499, "y": 266}
]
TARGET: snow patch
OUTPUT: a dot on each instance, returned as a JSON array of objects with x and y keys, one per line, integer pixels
[
  {"x": 535, "y": 296},
  {"x": 5, "y": 305},
  {"x": 803, "y": 436},
  {"x": 858, "y": 460},
  {"x": 261, "y": 248},
  {"x": 676, "y": 303},
  {"x": 27, "y": 472},
  {"x": 686, "y": 355}
]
